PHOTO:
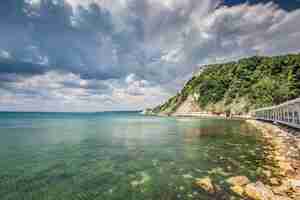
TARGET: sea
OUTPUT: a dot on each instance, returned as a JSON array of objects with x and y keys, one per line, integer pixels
[{"x": 122, "y": 156}]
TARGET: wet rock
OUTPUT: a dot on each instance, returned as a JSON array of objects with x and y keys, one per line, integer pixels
[
  {"x": 296, "y": 164},
  {"x": 238, "y": 180},
  {"x": 187, "y": 176},
  {"x": 274, "y": 181},
  {"x": 218, "y": 171},
  {"x": 145, "y": 178},
  {"x": 279, "y": 158},
  {"x": 206, "y": 184},
  {"x": 135, "y": 183},
  {"x": 267, "y": 173},
  {"x": 283, "y": 154},
  {"x": 298, "y": 143},
  {"x": 281, "y": 198},
  {"x": 295, "y": 184},
  {"x": 237, "y": 190},
  {"x": 258, "y": 191},
  {"x": 282, "y": 189},
  {"x": 286, "y": 166}
]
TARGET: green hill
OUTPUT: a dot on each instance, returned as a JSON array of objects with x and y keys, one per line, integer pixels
[{"x": 240, "y": 86}]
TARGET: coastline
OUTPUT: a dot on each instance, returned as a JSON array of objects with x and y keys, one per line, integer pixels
[
  {"x": 282, "y": 154},
  {"x": 281, "y": 172},
  {"x": 197, "y": 115},
  {"x": 280, "y": 175}
]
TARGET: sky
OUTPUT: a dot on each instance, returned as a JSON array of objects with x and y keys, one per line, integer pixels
[{"x": 101, "y": 55}]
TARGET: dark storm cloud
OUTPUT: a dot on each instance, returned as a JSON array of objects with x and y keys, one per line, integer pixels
[
  {"x": 85, "y": 40},
  {"x": 8, "y": 77},
  {"x": 18, "y": 67},
  {"x": 50, "y": 32}
]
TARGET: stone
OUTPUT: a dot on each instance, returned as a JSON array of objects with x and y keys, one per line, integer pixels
[
  {"x": 277, "y": 197},
  {"x": 282, "y": 189},
  {"x": 280, "y": 158},
  {"x": 267, "y": 173},
  {"x": 206, "y": 184},
  {"x": 258, "y": 191},
  {"x": 238, "y": 180},
  {"x": 285, "y": 166},
  {"x": 187, "y": 176},
  {"x": 237, "y": 189},
  {"x": 295, "y": 184},
  {"x": 274, "y": 181},
  {"x": 296, "y": 164},
  {"x": 298, "y": 144},
  {"x": 291, "y": 174}
]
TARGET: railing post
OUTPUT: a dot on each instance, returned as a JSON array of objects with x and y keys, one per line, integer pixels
[
  {"x": 297, "y": 105},
  {"x": 290, "y": 117},
  {"x": 265, "y": 115},
  {"x": 286, "y": 119},
  {"x": 294, "y": 111}
]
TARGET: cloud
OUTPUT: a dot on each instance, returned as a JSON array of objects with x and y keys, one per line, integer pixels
[
  {"x": 4, "y": 54},
  {"x": 73, "y": 93},
  {"x": 127, "y": 53}
]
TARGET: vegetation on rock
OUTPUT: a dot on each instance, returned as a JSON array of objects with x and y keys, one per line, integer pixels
[{"x": 240, "y": 86}]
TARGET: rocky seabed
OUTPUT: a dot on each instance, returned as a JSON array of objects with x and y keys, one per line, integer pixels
[{"x": 281, "y": 173}]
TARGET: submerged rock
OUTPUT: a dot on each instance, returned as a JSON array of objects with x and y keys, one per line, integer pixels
[
  {"x": 135, "y": 183},
  {"x": 206, "y": 184},
  {"x": 238, "y": 180},
  {"x": 238, "y": 189},
  {"x": 219, "y": 171},
  {"x": 145, "y": 178},
  {"x": 258, "y": 191},
  {"x": 187, "y": 176}
]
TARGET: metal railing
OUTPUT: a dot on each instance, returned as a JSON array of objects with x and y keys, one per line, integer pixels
[{"x": 287, "y": 113}]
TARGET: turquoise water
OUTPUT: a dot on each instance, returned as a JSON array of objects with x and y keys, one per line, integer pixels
[{"x": 120, "y": 156}]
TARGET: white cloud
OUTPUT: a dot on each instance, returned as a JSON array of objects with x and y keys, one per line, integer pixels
[
  {"x": 245, "y": 30},
  {"x": 71, "y": 93},
  {"x": 4, "y": 54},
  {"x": 33, "y": 2}
]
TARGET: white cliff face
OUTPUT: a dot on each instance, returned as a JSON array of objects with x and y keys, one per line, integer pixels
[{"x": 188, "y": 106}]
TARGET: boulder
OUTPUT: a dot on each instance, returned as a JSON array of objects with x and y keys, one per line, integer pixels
[
  {"x": 295, "y": 185},
  {"x": 286, "y": 167},
  {"x": 282, "y": 189},
  {"x": 267, "y": 173},
  {"x": 206, "y": 184},
  {"x": 258, "y": 191},
  {"x": 298, "y": 143},
  {"x": 238, "y": 180},
  {"x": 296, "y": 164},
  {"x": 281, "y": 198},
  {"x": 274, "y": 181},
  {"x": 237, "y": 190}
]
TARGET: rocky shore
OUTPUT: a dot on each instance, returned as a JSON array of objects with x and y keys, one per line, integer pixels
[
  {"x": 280, "y": 176},
  {"x": 282, "y": 170}
]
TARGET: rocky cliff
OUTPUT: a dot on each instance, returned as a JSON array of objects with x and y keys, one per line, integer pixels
[{"x": 238, "y": 87}]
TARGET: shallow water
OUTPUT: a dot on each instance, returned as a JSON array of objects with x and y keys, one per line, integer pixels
[{"x": 120, "y": 156}]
